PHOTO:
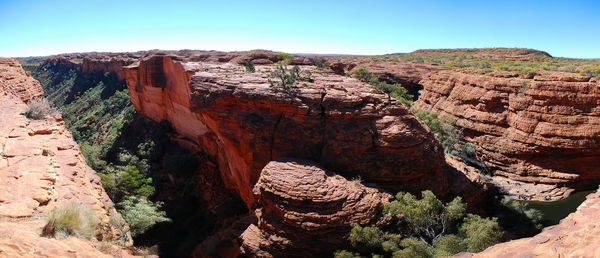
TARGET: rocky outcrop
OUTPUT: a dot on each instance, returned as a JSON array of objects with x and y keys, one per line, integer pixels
[
  {"x": 304, "y": 210},
  {"x": 543, "y": 132},
  {"x": 41, "y": 168},
  {"x": 407, "y": 74},
  {"x": 243, "y": 122},
  {"x": 15, "y": 81},
  {"x": 577, "y": 235},
  {"x": 113, "y": 66}
]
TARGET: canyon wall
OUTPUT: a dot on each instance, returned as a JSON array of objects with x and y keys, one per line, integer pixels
[
  {"x": 541, "y": 135},
  {"x": 243, "y": 122},
  {"x": 41, "y": 168}
]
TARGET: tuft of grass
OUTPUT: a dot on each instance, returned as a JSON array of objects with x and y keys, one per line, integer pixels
[
  {"x": 72, "y": 219},
  {"x": 356, "y": 180},
  {"x": 39, "y": 108}
]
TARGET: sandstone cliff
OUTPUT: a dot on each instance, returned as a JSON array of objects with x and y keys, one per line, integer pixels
[
  {"x": 243, "y": 122},
  {"x": 41, "y": 168},
  {"x": 17, "y": 82},
  {"x": 542, "y": 131}
]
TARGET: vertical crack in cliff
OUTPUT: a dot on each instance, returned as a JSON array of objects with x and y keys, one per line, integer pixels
[
  {"x": 323, "y": 125},
  {"x": 273, "y": 135}
]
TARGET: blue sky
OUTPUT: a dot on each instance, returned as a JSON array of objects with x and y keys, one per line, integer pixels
[{"x": 562, "y": 28}]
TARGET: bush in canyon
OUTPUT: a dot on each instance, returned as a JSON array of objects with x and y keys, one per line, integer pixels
[
  {"x": 72, "y": 219},
  {"x": 395, "y": 91},
  {"x": 126, "y": 182},
  {"x": 362, "y": 74},
  {"x": 142, "y": 214},
  {"x": 443, "y": 131},
  {"x": 424, "y": 227}
]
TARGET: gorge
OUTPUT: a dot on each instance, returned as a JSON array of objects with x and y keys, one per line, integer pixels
[{"x": 278, "y": 149}]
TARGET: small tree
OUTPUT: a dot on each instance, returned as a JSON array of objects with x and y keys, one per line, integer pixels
[
  {"x": 286, "y": 77},
  {"x": 395, "y": 91},
  {"x": 426, "y": 227},
  {"x": 429, "y": 217},
  {"x": 361, "y": 73},
  {"x": 479, "y": 233}
]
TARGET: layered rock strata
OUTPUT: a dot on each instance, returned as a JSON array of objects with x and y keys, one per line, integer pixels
[
  {"x": 541, "y": 135},
  {"x": 17, "y": 82},
  {"x": 306, "y": 211},
  {"x": 243, "y": 121}
]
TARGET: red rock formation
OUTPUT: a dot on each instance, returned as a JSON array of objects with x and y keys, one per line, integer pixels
[
  {"x": 543, "y": 131},
  {"x": 243, "y": 122},
  {"x": 113, "y": 66},
  {"x": 577, "y": 235},
  {"x": 15, "y": 81},
  {"x": 306, "y": 211},
  {"x": 41, "y": 168}
]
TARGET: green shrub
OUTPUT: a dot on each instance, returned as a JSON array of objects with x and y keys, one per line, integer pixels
[
  {"x": 368, "y": 237},
  {"x": 249, "y": 66},
  {"x": 320, "y": 62},
  {"x": 429, "y": 217},
  {"x": 39, "y": 108},
  {"x": 286, "y": 77},
  {"x": 285, "y": 58},
  {"x": 346, "y": 254},
  {"x": 427, "y": 227},
  {"x": 141, "y": 214},
  {"x": 395, "y": 91},
  {"x": 72, "y": 219},
  {"x": 479, "y": 233},
  {"x": 361, "y": 73},
  {"x": 444, "y": 132},
  {"x": 125, "y": 182}
]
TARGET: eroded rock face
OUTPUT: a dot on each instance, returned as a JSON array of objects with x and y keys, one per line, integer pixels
[
  {"x": 41, "y": 168},
  {"x": 244, "y": 122},
  {"x": 544, "y": 131},
  {"x": 15, "y": 81},
  {"x": 577, "y": 235},
  {"x": 306, "y": 211}
]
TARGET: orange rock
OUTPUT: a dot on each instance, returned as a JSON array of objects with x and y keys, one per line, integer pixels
[
  {"x": 543, "y": 131},
  {"x": 15, "y": 81},
  {"x": 304, "y": 210},
  {"x": 243, "y": 122},
  {"x": 36, "y": 174}
]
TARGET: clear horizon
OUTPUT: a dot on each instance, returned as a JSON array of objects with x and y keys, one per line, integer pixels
[{"x": 41, "y": 28}]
